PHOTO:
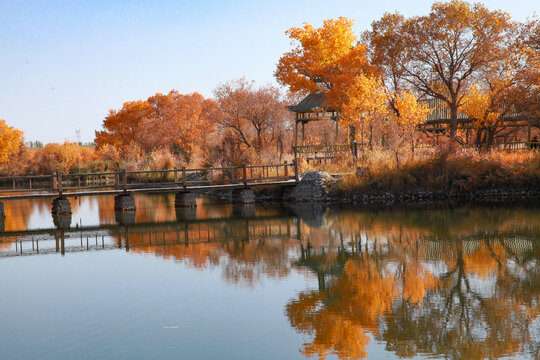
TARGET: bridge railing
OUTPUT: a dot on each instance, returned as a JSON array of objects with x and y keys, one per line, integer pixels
[
  {"x": 16, "y": 183},
  {"x": 126, "y": 180}
]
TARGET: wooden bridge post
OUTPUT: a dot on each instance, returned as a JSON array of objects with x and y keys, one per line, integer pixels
[
  {"x": 116, "y": 180},
  {"x": 244, "y": 174},
  {"x": 59, "y": 181},
  {"x": 184, "y": 180},
  {"x": 124, "y": 180},
  {"x": 54, "y": 181},
  {"x": 296, "y": 171},
  {"x": 175, "y": 176},
  {"x": 286, "y": 169}
]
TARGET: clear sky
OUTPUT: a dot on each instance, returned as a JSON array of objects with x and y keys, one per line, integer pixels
[{"x": 64, "y": 64}]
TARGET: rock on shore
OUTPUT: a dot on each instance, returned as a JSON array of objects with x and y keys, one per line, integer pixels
[{"x": 313, "y": 186}]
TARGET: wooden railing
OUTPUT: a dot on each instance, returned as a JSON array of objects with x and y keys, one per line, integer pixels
[
  {"x": 304, "y": 149},
  {"x": 174, "y": 178},
  {"x": 518, "y": 145}
]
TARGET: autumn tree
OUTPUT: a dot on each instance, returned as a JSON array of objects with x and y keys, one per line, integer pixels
[
  {"x": 174, "y": 121},
  {"x": 439, "y": 53},
  {"x": 179, "y": 122},
  {"x": 366, "y": 101},
  {"x": 328, "y": 60},
  {"x": 66, "y": 157},
  {"x": 525, "y": 94},
  {"x": 254, "y": 119},
  {"x": 10, "y": 142},
  {"x": 120, "y": 127},
  {"x": 403, "y": 121}
]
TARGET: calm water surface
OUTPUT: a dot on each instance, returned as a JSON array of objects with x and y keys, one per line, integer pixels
[{"x": 268, "y": 282}]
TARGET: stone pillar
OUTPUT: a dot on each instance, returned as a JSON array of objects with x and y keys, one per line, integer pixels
[
  {"x": 61, "y": 206},
  {"x": 185, "y": 199},
  {"x": 124, "y": 202},
  {"x": 243, "y": 196},
  {"x": 125, "y": 218},
  {"x": 244, "y": 210},
  {"x": 62, "y": 221},
  {"x": 186, "y": 214}
]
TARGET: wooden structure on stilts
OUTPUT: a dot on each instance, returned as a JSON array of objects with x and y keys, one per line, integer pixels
[{"x": 312, "y": 108}]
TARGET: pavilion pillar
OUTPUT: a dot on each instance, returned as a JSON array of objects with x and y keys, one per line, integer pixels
[
  {"x": 296, "y": 131},
  {"x": 303, "y": 133},
  {"x": 337, "y": 133}
]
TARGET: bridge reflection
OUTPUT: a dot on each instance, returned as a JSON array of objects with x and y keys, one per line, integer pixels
[{"x": 127, "y": 234}]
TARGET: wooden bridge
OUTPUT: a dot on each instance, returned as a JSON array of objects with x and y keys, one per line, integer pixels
[{"x": 184, "y": 182}]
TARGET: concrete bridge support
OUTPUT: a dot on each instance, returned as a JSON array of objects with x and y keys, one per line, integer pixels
[
  {"x": 125, "y": 218},
  {"x": 243, "y": 196},
  {"x": 61, "y": 206},
  {"x": 124, "y": 202},
  {"x": 186, "y": 214},
  {"x": 185, "y": 199},
  {"x": 244, "y": 210},
  {"x": 62, "y": 221}
]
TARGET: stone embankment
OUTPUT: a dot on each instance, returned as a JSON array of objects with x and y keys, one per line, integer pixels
[
  {"x": 388, "y": 198},
  {"x": 321, "y": 187}
]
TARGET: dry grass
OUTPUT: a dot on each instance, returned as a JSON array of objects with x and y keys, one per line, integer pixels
[{"x": 431, "y": 170}]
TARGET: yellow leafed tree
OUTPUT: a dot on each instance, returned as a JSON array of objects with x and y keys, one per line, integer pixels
[
  {"x": 401, "y": 127},
  {"x": 10, "y": 141},
  {"x": 326, "y": 60}
]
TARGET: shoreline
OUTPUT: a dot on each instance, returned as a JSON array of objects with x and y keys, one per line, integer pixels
[{"x": 409, "y": 197}]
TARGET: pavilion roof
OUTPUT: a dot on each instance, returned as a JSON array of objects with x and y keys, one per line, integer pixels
[{"x": 311, "y": 102}]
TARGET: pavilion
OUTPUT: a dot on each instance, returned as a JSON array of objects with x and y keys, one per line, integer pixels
[{"x": 312, "y": 108}]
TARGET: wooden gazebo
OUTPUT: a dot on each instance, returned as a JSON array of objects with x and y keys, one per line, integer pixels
[{"x": 312, "y": 108}]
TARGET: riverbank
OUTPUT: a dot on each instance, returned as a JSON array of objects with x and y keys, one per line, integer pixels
[{"x": 463, "y": 176}]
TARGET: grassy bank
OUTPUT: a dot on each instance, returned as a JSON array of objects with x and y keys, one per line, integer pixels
[{"x": 464, "y": 170}]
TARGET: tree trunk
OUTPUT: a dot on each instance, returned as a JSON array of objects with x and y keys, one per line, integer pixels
[
  {"x": 478, "y": 138},
  {"x": 370, "y": 137},
  {"x": 453, "y": 122},
  {"x": 490, "y": 137}
]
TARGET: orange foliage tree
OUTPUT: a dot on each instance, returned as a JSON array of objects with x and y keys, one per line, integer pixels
[
  {"x": 403, "y": 121},
  {"x": 10, "y": 142},
  {"x": 174, "y": 121},
  {"x": 439, "y": 53},
  {"x": 326, "y": 60},
  {"x": 66, "y": 157}
]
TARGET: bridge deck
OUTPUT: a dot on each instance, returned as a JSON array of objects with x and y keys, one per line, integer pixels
[
  {"x": 145, "y": 190},
  {"x": 147, "y": 181}
]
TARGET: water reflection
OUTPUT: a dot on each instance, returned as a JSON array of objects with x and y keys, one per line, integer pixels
[{"x": 451, "y": 283}]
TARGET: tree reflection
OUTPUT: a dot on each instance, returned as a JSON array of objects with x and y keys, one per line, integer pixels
[{"x": 439, "y": 293}]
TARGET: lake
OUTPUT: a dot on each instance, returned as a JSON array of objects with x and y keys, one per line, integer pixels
[{"x": 268, "y": 281}]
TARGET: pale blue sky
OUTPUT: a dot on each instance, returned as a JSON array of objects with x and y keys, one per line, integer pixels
[{"x": 63, "y": 64}]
